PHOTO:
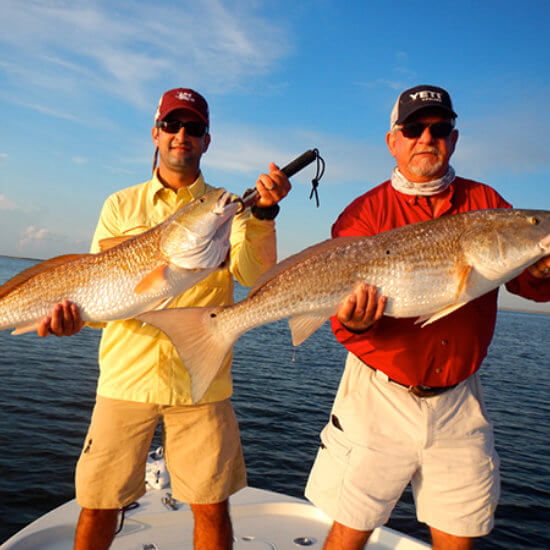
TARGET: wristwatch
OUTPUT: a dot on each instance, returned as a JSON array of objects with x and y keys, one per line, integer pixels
[{"x": 267, "y": 213}]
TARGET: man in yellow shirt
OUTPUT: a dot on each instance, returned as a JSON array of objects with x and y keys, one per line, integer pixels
[{"x": 142, "y": 379}]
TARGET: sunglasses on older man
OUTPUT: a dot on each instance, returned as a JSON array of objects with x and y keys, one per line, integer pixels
[
  {"x": 437, "y": 129},
  {"x": 193, "y": 128}
]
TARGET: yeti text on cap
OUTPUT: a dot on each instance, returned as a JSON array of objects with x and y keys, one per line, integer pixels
[{"x": 425, "y": 95}]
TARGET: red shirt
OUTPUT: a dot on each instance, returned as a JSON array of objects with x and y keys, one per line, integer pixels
[{"x": 451, "y": 349}]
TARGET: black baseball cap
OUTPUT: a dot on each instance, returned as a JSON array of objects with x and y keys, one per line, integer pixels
[{"x": 420, "y": 97}]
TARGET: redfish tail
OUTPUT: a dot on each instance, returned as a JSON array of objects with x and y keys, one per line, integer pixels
[{"x": 200, "y": 345}]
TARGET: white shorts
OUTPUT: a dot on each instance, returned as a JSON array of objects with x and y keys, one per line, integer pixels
[{"x": 381, "y": 437}]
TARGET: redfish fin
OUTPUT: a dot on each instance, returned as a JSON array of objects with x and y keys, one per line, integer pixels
[
  {"x": 153, "y": 282},
  {"x": 201, "y": 348},
  {"x": 303, "y": 326},
  {"x": 163, "y": 304},
  {"x": 111, "y": 242},
  {"x": 34, "y": 270},
  {"x": 23, "y": 329},
  {"x": 463, "y": 280},
  {"x": 439, "y": 314}
]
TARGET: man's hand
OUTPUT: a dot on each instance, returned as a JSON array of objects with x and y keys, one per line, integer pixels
[
  {"x": 64, "y": 321},
  {"x": 272, "y": 187},
  {"x": 541, "y": 269},
  {"x": 361, "y": 309}
]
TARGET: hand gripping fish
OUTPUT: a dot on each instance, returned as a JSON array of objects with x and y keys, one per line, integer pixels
[
  {"x": 136, "y": 275},
  {"x": 426, "y": 270}
]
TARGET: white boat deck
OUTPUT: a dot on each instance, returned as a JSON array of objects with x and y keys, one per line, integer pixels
[{"x": 262, "y": 520}]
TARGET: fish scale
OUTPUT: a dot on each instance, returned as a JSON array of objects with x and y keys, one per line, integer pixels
[
  {"x": 165, "y": 261},
  {"x": 426, "y": 270},
  {"x": 108, "y": 280},
  {"x": 338, "y": 271}
]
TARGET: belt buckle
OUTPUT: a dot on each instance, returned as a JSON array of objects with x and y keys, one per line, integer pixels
[{"x": 425, "y": 391}]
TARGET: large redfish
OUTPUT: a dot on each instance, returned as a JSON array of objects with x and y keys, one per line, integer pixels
[
  {"x": 137, "y": 274},
  {"x": 427, "y": 270}
]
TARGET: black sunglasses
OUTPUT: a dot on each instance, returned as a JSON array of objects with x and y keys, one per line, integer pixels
[
  {"x": 437, "y": 129},
  {"x": 193, "y": 128}
]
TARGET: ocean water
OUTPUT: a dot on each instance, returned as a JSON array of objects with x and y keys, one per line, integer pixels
[{"x": 282, "y": 398}]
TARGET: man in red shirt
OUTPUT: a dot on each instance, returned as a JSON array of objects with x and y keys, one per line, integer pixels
[{"x": 410, "y": 406}]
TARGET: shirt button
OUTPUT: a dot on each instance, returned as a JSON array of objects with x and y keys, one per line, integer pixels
[
  {"x": 444, "y": 342},
  {"x": 437, "y": 371}
]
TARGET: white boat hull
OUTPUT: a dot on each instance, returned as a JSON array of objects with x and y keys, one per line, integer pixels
[{"x": 262, "y": 520}]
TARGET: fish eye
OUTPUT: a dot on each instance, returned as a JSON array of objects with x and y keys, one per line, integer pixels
[{"x": 533, "y": 220}]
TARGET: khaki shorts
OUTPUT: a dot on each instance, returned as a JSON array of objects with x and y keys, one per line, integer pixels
[
  {"x": 381, "y": 437},
  {"x": 201, "y": 445}
]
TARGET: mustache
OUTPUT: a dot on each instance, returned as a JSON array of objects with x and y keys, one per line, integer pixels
[
  {"x": 432, "y": 150},
  {"x": 180, "y": 144}
]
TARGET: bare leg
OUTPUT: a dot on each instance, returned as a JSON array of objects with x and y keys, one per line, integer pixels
[
  {"x": 213, "y": 529},
  {"x": 341, "y": 537},
  {"x": 444, "y": 541},
  {"x": 95, "y": 529}
]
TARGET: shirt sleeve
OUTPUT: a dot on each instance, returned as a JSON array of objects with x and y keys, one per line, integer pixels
[
  {"x": 530, "y": 287},
  {"x": 253, "y": 247},
  {"x": 106, "y": 228},
  {"x": 108, "y": 225}
]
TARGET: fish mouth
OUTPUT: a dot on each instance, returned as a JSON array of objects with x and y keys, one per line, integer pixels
[
  {"x": 545, "y": 243},
  {"x": 225, "y": 200}
]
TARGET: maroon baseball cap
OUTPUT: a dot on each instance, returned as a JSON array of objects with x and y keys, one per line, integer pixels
[{"x": 182, "y": 98}]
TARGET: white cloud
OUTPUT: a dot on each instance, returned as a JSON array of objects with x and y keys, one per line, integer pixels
[
  {"x": 245, "y": 150},
  {"x": 401, "y": 78},
  {"x": 383, "y": 83},
  {"x": 74, "y": 48},
  {"x": 5, "y": 203},
  {"x": 80, "y": 160},
  {"x": 119, "y": 170},
  {"x": 509, "y": 140},
  {"x": 241, "y": 151},
  {"x": 33, "y": 234},
  {"x": 40, "y": 242}
]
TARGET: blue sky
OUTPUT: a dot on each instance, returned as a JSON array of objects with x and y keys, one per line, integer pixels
[{"x": 80, "y": 81}]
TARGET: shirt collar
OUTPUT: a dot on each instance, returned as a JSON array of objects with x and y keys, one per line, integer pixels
[
  {"x": 447, "y": 195},
  {"x": 185, "y": 194}
]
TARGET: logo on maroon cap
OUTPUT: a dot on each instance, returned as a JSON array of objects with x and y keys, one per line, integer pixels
[{"x": 182, "y": 98}]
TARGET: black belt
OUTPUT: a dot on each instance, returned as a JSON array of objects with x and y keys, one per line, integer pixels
[
  {"x": 420, "y": 390},
  {"x": 425, "y": 391}
]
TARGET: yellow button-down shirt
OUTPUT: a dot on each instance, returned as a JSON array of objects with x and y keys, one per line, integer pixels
[{"x": 137, "y": 361}]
